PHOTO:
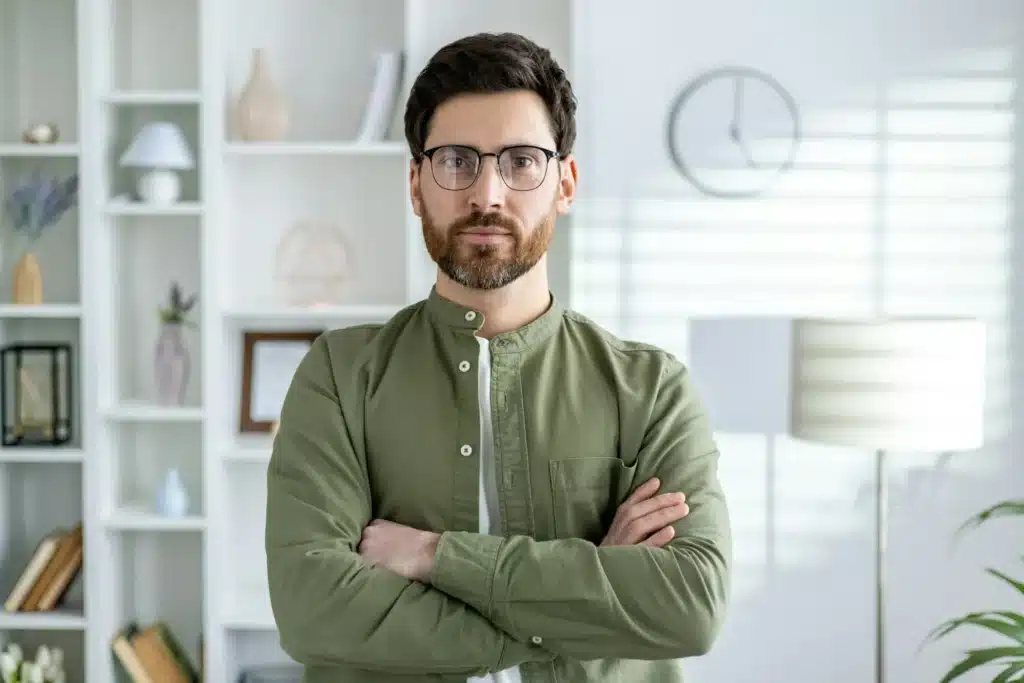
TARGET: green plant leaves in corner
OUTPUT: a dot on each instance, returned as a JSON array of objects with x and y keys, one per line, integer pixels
[
  {"x": 1006, "y": 508},
  {"x": 989, "y": 655},
  {"x": 1006, "y": 623}
]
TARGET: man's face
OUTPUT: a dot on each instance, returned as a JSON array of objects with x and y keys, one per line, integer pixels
[{"x": 486, "y": 235}]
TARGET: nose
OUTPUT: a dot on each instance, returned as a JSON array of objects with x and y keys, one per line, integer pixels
[{"x": 488, "y": 191}]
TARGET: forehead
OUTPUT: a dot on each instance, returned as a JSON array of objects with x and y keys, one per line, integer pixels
[{"x": 491, "y": 120}]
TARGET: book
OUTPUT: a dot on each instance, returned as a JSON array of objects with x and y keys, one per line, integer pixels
[
  {"x": 44, "y": 552},
  {"x": 380, "y": 107}
]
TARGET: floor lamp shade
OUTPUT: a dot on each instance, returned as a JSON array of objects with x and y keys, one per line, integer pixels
[{"x": 912, "y": 384}]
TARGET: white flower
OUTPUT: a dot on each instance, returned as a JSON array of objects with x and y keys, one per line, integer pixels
[
  {"x": 32, "y": 673},
  {"x": 8, "y": 665},
  {"x": 43, "y": 658},
  {"x": 57, "y": 657},
  {"x": 15, "y": 651}
]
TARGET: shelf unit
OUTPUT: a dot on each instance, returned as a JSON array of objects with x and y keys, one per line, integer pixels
[{"x": 100, "y": 69}]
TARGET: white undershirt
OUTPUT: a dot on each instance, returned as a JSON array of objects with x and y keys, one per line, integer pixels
[{"x": 490, "y": 521}]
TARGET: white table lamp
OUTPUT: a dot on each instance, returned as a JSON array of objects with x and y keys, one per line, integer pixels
[
  {"x": 888, "y": 384},
  {"x": 161, "y": 149}
]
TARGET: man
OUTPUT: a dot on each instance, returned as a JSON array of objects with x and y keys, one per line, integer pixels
[{"x": 490, "y": 487}]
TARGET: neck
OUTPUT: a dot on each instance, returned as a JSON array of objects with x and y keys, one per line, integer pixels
[{"x": 508, "y": 308}]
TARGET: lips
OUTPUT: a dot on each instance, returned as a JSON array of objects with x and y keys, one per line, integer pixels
[{"x": 484, "y": 231}]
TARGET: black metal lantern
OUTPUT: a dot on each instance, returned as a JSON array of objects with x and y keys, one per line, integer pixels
[{"x": 35, "y": 397}]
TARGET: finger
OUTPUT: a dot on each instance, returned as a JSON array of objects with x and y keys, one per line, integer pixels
[
  {"x": 643, "y": 491},
  {"x": 646, "y": 507},
  {"x": 640, "y": 528},
  {"x": 660, "y": 538}
]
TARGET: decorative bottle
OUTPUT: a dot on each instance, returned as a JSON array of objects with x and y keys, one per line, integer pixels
[{"x": 172, "y": 498}]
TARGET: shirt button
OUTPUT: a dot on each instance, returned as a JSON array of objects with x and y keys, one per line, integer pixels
[
  {"x": 536, "y": 640},
  {"x": 466, "y": 449},
  {"x": 464, "y": 366},
  {"x": 471, "y": 315}
]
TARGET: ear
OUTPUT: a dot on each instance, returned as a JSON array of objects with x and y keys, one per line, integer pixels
[
  {"x": 569, "y": 175},
  {"x": 414, "y": 188}
]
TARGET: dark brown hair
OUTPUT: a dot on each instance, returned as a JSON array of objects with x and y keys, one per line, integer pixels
[{"x": 491, "y": 63}]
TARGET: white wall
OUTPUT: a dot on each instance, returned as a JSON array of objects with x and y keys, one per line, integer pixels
[{"x": 902, "y": 201}]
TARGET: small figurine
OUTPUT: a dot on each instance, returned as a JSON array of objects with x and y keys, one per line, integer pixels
[{"x": 41, "y": 134}]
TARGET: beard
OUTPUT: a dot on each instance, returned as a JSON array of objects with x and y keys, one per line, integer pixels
[{"x": 487, "y": 266}]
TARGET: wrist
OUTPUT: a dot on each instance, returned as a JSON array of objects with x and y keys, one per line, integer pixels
[{"x": 428, "y": 555}]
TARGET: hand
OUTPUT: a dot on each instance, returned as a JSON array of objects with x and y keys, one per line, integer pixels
[
  {"x": 646, "y": 519},
  {"x": 404, "y": 550}
]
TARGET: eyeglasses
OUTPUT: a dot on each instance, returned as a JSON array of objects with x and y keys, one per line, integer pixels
[{"x": 522, "y": 167}]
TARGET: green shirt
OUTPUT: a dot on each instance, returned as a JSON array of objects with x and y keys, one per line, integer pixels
[{"x": 382, "y": 421}]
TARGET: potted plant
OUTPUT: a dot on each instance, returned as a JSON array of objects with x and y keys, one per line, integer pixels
[
  {"x": 33, "y": 206},
  {"x": 172, "y": 360},
  {"x": 47, "y": 667},
  {"x": 1008, "y": 624}
]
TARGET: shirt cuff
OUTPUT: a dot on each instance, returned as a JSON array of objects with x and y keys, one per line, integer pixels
[{"x": 464, "y": 567}]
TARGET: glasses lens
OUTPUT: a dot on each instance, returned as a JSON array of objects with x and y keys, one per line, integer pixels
[
  {"x": 523, "y": 168},
  {"x": 455, "y": 167}
]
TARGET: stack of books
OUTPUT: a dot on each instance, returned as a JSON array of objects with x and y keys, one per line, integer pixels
[
  {"x": 153, "y": 655},
  {"x": 54, "y": 565}
]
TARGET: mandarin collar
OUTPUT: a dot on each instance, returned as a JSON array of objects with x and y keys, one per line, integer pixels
[{"x": 457, "y": 317}]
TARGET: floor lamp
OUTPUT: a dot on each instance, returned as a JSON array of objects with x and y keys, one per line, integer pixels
[{"x": 888, "y": 384}]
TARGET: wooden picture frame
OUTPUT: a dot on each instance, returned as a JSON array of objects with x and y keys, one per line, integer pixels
[{"x": 269, "y": 360}]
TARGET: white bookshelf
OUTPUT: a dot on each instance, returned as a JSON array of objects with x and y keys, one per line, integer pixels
[{"x": 100, "y": 69}]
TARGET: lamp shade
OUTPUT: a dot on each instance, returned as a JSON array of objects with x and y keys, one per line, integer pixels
[
  {"x": 913, "y": 384},
  {"x": 158, "y": 145}
]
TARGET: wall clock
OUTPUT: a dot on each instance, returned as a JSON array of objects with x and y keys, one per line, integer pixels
[{"x": 732, "y": 131}]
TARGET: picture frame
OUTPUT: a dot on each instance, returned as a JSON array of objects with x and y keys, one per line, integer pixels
[
  {"x": 269, "y": 361},
  {"x": 36, "y": 401}
]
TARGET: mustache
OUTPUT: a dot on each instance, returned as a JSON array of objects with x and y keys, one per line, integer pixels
[{"x": 478, "y": 219}]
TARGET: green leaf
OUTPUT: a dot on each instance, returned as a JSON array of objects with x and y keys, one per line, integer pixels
[
  {"x": 976, "y": 658},
  {"x": 1006, "y": 508},
  {"x": 1008, "y": 624},
  {"x": 1014, "y": 583},
  {"x": 1006, "y": 674}
]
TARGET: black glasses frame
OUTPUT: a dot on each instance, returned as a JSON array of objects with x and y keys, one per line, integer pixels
[{"x": 548, "y": 153}]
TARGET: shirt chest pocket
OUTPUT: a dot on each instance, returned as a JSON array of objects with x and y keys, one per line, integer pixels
[{"x": 585, "y": 494}]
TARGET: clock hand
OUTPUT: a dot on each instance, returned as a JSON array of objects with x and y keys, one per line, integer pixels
[{"x": 734, "y": 126}]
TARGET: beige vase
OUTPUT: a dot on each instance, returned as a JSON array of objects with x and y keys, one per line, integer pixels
[
  {"x": 28, "y": 281},
  {"x": 262, "y": 111}
]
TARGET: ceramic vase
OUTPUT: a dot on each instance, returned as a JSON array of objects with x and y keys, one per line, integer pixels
[
  {"x": 262, "y": 111},
  {"x": 172, "y": 498},
  {"x": 28, "y": 280},
  {"x": 172, "y": 365}
]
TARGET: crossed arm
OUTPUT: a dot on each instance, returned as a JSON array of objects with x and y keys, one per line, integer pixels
[{"x": 486, "y": 599}]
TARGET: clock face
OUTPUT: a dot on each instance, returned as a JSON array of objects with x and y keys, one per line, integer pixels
[{"x": 733, "y": 131}]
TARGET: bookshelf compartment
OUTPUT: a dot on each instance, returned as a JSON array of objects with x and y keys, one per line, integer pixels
[
  {"x": 153, "y": 253},
  {"x": 156, "y": 45},
  {"x": 39, "y": 499},
  {"x": 70, "y": 642},
  {"x": 46, "y": 331},
  {"x": 147, "y": 453},
  {"x": 326, "y": 94},
  {"x": 57, "y": 249},
  {"x": 132, "y": 119},
  {"x": 289, "y": 226},
  {"x": 161, "y": 581},
  {"x": 38, "y": 69}
]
